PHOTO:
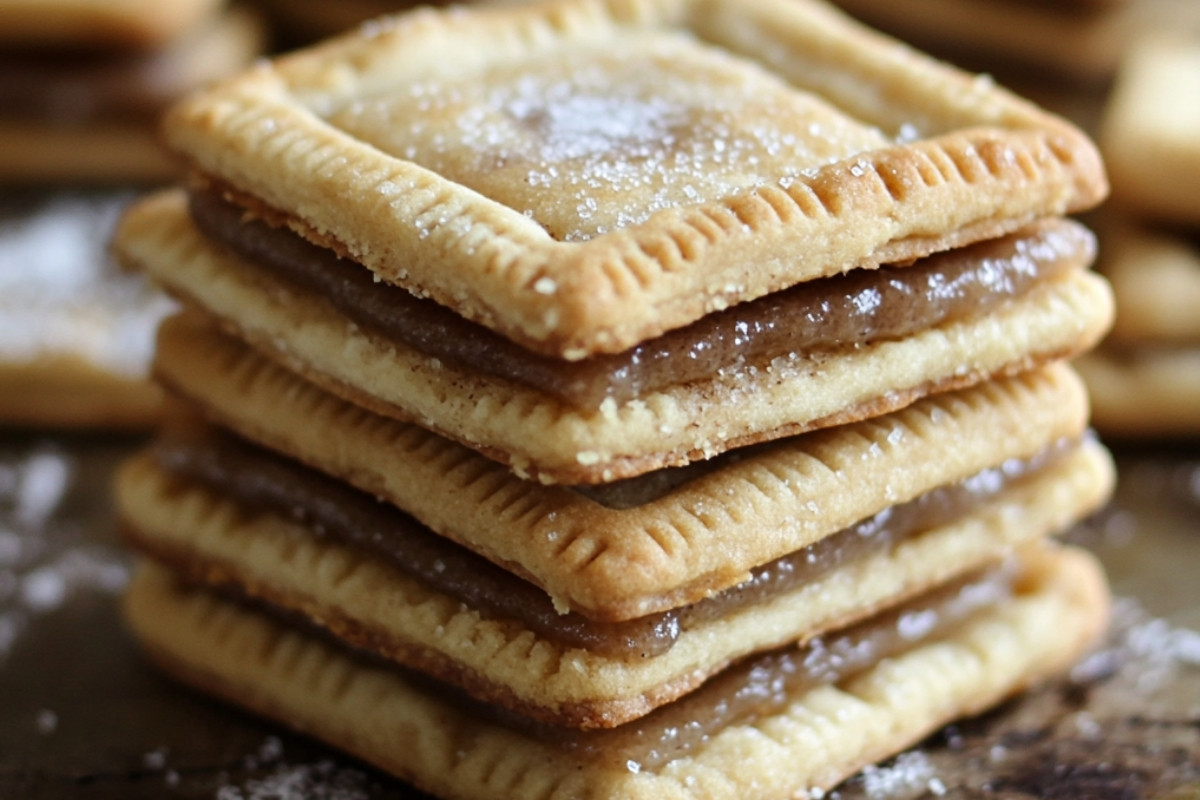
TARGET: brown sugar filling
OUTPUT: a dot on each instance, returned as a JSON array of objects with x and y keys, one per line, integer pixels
[
  {"x": 752, "y": 689},
  {"x": 766, "y": 683},
  {"x": 826, "y": 314},
  {"x": 259, "y": 479}
]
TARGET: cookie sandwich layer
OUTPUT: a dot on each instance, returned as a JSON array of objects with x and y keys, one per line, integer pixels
[
  {"x": 810, "y": 739},
  {"x": 538, "y": 434},
  {"x": 614, "y": 552}
]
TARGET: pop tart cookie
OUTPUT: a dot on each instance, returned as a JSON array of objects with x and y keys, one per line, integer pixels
[
  {"x": 849, "y": 698},
  {"x": 626, "y": 596},
  {"x": 582, "y": 210},
  {"x": 646, "y": 358},
  {"x": 76, "y": 331},
  {"x": 82, "y": 83}
]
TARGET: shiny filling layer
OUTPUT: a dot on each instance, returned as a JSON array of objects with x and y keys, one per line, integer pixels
[
  {"x": 847, "y": 310},
  {"x": 766, "y": 683},
  {"x": 259, "y": 479},
  {"x": 752, "y": 689}
]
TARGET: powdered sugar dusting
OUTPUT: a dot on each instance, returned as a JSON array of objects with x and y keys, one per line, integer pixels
[
  {"x": 1135, "y": 697},
  {"x": 588, "y": 141},
  {"x": 61, "y": 293},
  {"x": 321, "y": 781},
  {"x": 910, "y": 771},
  {"x": 37, "y": 574},
  {"x": 263, "y": 775}
]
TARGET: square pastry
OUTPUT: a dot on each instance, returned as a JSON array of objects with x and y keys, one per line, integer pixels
[
  {"x": 591, "y": 607},
  {"x": 659, "y": 398},
  {"x": 82, "y": 84},
  {"x": 589, "y": 183}
]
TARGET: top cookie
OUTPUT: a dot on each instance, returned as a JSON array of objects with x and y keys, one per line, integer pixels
[
  {"x": 585, "y": 174},
  {"x": 134, "y": 24}
]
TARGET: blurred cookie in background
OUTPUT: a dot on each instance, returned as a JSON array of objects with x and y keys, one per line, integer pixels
[
  {"x": 82, "y": 83},
  {"x": 1067, "y": 41},
  {"x": 1151, "y": 129},
  {"x": 76, "y": 331},
  {"x": 1146, "y": 378}
]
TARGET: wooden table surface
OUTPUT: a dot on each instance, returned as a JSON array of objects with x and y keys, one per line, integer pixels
[{"x": 82, "y": 716}]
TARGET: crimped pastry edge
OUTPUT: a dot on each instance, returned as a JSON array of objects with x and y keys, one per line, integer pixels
[
  {"x": 991, "y": 163},
  {"x": 817, "y": 741},
  {"x": 608, "y": 560},
  {"x": 542, "y": 438},
  {"x": 266, "y": 557}
]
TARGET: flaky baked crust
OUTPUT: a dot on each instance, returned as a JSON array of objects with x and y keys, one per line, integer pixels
[
  {"x": 792, "y": 143},
  {"x": 540, "y": 436},
  {"x": 815, "y": 741},
  {"x": 268, "y": 557},
  {"x": 703, "y": 535}
]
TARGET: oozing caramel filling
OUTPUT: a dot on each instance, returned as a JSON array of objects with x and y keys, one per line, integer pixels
[
  {"x": 844, "y": 311},
  {"x": 259, "y": 479},
  {"x": 766, "y": 683},
  {"x": 754, "y": 688}
]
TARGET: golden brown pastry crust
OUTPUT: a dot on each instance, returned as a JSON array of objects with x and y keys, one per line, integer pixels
[
  {"x": 667, "y": 552},
  {"x": 537, "y": 435},
  {"x": 924, "y": 159},
  {"x": 819, "y": 739},
  {"x": 265, "y": 556}
]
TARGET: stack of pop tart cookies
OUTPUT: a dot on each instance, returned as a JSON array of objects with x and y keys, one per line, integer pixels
[
  {"x": 618, "y": 399},
  {"x": 83, "y": 81},
  {"x": 1146, "y": 376}
]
